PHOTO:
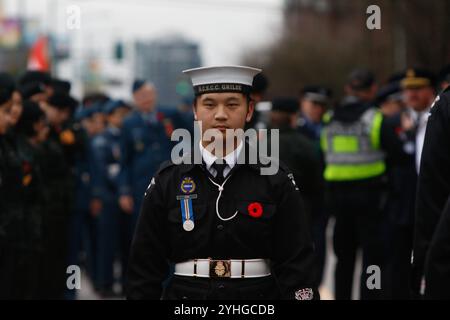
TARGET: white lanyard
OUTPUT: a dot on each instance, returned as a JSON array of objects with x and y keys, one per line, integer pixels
[{"x": 220, "y": 187}]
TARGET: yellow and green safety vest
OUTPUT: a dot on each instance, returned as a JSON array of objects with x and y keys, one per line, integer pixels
[{"x": 352, "y": 150}]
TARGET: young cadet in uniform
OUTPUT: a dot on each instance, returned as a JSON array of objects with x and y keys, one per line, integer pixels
[
  {"x": 105, "y": 167},
  {"x": 232, "y": 232},
  {"x": 304, "y": 160},
  {"x": 82, "y": 226},
  {"x": 12, "y": 235},
  {"x": 58, "y": 176},
  {"x": 31, "y": 131}
]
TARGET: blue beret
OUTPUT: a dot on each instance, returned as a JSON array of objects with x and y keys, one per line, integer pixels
[
  {"x": 80, "y": 113},
  {"x": 112, "y": 105},
  {"x": 388, "y": 91},
  {"x": 87, "y": 112},
  {"x": 137, "y": 84}
]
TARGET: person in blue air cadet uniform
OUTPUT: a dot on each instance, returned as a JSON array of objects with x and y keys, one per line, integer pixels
[
  {"x": 145, "y": 144},
  {"x": 105, "y": 164}
]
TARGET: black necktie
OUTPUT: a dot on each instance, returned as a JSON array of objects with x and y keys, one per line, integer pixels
[{"x": 219, "y": 167}]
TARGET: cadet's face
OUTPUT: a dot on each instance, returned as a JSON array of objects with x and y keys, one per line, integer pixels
[
  {"x": 5, "y": 118},
  {"x": 42, "y": 130},
  {"x": 98, "y": 122},
  {"x": 65, "y": 114},
  {"x": 116, "y": 118},
  {"x": 145, "y": 98},
  {"x": 223, "y": 111},
  {"x": 16, "y": 109},
  {"x": 313, "y": 111},
  {"x": 49, "y": 91},
  {"x": 418, "y": 98},
  {"x": 88, "y": 125},
  {"x": 54, "y": 116},
  {"x": 390, "y": 108},
  {"x": 39, "y": 97}
]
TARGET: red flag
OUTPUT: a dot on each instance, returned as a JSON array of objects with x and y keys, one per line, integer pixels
[{"x": 39, "y": 57}]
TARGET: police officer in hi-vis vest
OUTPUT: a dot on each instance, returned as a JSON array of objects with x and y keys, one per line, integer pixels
[
  {"x": 230, "y": 231},
  {"x": 355, "y": 140}
]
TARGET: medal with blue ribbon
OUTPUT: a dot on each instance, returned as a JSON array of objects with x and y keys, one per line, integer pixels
[
  {"x": 187, "y": 214},
  {"x": 187, "y": 186}
]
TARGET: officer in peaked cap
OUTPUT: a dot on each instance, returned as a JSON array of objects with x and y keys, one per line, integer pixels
[
  {"x": 418, "y": 87},
  {"x": 232, "y": 230},
  {"x": 314, "y": 101},
  {"x": 389, "y": 99}
]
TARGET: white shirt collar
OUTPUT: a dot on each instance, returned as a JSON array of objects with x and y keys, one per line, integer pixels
[{"x": 230, "y": 158}]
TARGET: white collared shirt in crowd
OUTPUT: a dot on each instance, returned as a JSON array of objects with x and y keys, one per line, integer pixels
[{"x": 420, "y": 135}]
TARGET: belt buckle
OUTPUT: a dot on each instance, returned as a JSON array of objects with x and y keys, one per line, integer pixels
[{"x": 220, "y": 268}]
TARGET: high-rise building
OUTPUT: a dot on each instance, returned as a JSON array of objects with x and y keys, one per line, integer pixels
[{"x": 162, "y": 61}]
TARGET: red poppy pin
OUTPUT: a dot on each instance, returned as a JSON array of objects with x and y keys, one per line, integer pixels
[
  {"x": 168, "y": 126},
  {"x": 26, "y": 167},
  {"x": 255, "y": 209},
  {"x": 160, "y": 116}
]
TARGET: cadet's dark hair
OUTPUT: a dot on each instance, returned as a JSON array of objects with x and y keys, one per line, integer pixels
[{"x": 31, "y": 114}]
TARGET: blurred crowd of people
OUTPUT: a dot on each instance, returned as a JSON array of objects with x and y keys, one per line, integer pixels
[
  {"x": 72, "y": 177},
  {"x": 358, "y": 160},
  {"x": 73, "y": 174}
]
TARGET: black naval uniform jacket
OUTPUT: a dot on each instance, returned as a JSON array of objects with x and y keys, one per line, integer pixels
[
  {"x": 280, "y": 234},
  {"x": 434, "y": 182},
  {"x": 437, "y": 266}
]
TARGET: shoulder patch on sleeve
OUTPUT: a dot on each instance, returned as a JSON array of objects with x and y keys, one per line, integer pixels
[
  {"x": 285, "y": 171},
  {"x": 150, "y": 186},
  {"x": 291, "y": 177},
  {"x": 164, "y": 166}
]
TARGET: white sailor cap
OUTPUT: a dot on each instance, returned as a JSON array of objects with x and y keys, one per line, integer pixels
[{"x": 222, "y": 79}]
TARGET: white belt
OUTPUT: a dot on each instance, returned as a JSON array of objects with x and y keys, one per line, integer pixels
[{"x": 233, "y": 268}]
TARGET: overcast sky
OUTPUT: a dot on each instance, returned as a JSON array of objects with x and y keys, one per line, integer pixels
[{"x": 223, "y": 28}]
